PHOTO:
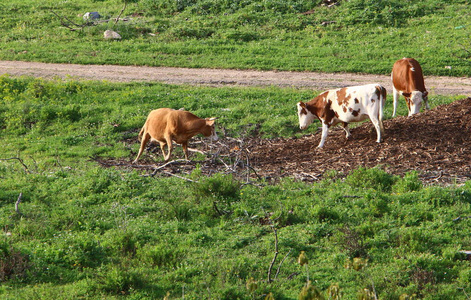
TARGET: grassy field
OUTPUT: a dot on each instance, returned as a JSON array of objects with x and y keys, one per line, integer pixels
[
  {"x": 86, "y": 232},
  {"x": 82, "y": 231},
  {"x": 365, "y": 36}
]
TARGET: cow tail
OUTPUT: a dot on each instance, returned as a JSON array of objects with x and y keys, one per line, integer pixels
[
  {"x": 382, "y": 98},
  {"x": 139, "y": 137}
]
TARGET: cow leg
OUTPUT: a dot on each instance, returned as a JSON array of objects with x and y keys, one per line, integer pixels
[
  {"x": 325, "y": 131},
  {"x": 347, "y": 131},
  {"x": 170, "y": 148},
  {"x": 145, "y": 139},
  {"x": 381, "y": 127},
  {"x": 185, "y": 149},
  {"x": 162, "y": 147},
  {"x": 396, "y": 97},
  {"x": 381, "y": 116},
  {"x": 378, "y": 126}
]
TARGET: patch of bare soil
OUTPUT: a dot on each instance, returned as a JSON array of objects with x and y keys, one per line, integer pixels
[
  {"x": 435, "y": 143},
  {"x": 440, "y": 85}
]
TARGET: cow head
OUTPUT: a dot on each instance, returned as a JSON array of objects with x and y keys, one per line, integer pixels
[
  {"x": 414, "y": 101},
  {"x": 304, "y": 115},
  {"x": 210, "y": 129}
]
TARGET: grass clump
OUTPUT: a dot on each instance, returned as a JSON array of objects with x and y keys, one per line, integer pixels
[{"x": 374, "y": 178}]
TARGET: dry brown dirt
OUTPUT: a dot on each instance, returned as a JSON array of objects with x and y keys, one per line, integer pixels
[
  {"x": 434, "y": 143},
  {"x": 216, "y": 77}
]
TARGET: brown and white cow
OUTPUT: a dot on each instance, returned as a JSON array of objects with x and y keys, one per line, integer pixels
[
  {"x": 345, "y": 105},
  {"x": 408, "y": 80},
  {"x": 165, "y": 125}
]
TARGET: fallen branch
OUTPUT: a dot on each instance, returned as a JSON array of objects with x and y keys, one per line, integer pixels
[
  {"x": 181, "y": 177},
  {"x": 117, "y": 19},
  {"x": 168, "y": 163},
  {"x": 281, "y": 263},
  {"x": 17, "y": 205},
  {"x": 374, "y": 290},
  {"x": 196, "y": 150},
  {"x": 21, "y": 162},
  {"x": 461, "y": 218},
  {"x": 276, "y": 254},
  {"x": 80, "y": 27}
]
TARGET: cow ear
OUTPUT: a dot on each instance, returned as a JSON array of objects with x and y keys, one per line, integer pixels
[
  {"x": 406, "y": 94},
  {"x": 210, "y": 121},
  {"x": 301, "y": 104}
]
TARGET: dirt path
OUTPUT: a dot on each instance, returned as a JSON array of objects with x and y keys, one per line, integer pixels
[{"x": 218, "y": 77}]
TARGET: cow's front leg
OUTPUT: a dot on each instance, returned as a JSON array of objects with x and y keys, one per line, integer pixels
[
  {"x": 325, "y": 131},
  {"x": 395, "y": 99},
  {"x": 170, "y": 148},
  {"x": 185, "y": 149},
  {"x": 347, "y": 131},
  {"x": 162, "y": 147}
]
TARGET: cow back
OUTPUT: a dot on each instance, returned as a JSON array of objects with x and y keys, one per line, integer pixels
[{"x": 407, "y": 76}]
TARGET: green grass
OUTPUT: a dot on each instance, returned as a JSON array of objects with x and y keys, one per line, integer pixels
[
  {"x": 367, "y": 36},
  {"x": 89, "y": 232}
]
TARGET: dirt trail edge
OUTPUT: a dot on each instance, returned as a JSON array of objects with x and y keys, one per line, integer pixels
[{"x": 222, "y": 77}]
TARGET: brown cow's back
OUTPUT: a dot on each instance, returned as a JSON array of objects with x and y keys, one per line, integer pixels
[
  {"x": 406, "y": 80},
  {"x": 165, "y": 125},
  {"x": 156, "y": 123}
]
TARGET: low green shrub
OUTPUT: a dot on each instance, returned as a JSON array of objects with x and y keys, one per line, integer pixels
[
  {"x": 409, "y": 183},
  {"x": 374, "y": 178}
]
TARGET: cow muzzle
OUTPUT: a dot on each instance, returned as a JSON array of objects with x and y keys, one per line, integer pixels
[{"x": 214, "y": 137}]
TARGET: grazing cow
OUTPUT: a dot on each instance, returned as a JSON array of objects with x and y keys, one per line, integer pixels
[
  {"x": 165, "y": 125},
  {"x": 345, "y": 105},
  {"x": 408, "y": 80}
]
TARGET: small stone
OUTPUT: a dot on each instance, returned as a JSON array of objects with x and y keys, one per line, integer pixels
[
  {"x": 91, "y": 16},
  {"x": 112, "y": 35}
]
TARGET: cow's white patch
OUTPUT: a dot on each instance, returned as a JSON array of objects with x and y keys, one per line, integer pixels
[
  {"x": 305, "y": 117},
  {"x": 416, "y": 99}
]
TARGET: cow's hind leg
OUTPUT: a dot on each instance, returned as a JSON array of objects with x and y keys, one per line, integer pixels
[
  {"x": 379, "y": 128},
  {"x": 347, "y": 131},
  {"x": 144, "y": 140}
]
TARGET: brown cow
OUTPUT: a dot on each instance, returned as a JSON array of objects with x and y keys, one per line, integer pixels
[
  {"x": 408, "y": 81},
  {"x": 165, "y": 125}
]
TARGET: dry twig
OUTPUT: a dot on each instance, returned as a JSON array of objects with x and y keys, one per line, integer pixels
[
  {"x": 17, "y": 205},
  {"x": 68, "y": 25},
  {"x": 21, "y": 162}
]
